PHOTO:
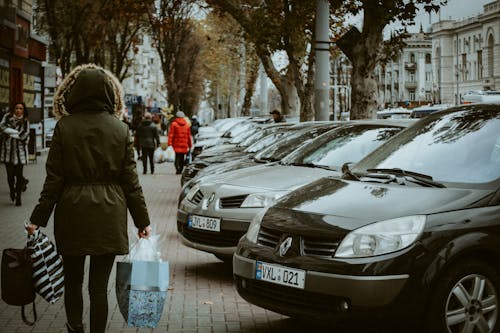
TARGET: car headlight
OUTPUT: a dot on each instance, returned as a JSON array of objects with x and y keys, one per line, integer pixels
[
  {"x": 192, "y": 191},
  {"x": 381, "y": 237},
  {"x": 254, "y": 227},
  {"x": 265, "y": 199}
]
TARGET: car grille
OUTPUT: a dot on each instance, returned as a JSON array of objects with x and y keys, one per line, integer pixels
[
  {"x": 232, "y": 202},
  {"x": 197, "y": 197},
  {"x": 268, "y": 237},
  {"x": 321, "y": 248},
  {"x": 313, "y": 247},
  {"x": 224, "y": 238},
  {"x": 288, "y": 297}
]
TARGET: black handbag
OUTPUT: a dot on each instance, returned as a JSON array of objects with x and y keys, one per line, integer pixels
[{"x": 17, "y": 280}]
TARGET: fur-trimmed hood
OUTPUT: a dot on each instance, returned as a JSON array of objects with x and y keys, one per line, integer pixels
[{"x": 89, "y": 88}]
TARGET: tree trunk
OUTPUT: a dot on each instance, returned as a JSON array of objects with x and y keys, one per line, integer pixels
[
  {"x": 364, "y": 91},
  {"x": 364, "y": 60}
]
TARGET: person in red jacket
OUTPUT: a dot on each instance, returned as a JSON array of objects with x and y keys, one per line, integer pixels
[{"x": 179, "y": 137}]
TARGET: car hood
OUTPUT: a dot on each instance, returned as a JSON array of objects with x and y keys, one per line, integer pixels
[
  {"x": 217, "y": 150},
  {"x": 272, "y": 177},
  {"x": 210, "y": 142},
  {"x": 228, "y": 156},
  {"x": 238, "y": 164},
  {"x": 352, "y": 204}
]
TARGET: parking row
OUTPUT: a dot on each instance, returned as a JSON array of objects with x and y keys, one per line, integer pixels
[{"x": 392, "y": 222}]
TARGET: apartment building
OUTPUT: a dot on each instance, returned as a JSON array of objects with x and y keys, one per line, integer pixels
[
  {"x": 408, "y": 80},
  {"x": 466, "y": 54},
  {"x": 145, "y": 84}
]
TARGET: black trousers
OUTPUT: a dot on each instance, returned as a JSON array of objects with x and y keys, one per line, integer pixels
[
  {"x": 148, "y": 153},
  {"x": 15, "y": 177},
  {"x": 180, "y": 159},
  {"x": 100, "y": 269}
]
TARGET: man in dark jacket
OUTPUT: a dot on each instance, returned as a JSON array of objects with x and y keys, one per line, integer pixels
[
  {"x": 277, "y": 117},
  {"x": 195, "y": 126},
  {"x": 148, "y": 139}
]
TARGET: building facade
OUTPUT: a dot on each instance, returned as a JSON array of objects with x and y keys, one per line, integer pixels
[
  {"x": 21, "y": 55},
  {"x": 466, "y": 54},
  {"x": 145, "y": 84},
  {"x": 407, "y": 81}
]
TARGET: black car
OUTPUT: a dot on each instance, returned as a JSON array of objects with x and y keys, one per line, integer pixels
[{"x": 409, "y": 236}]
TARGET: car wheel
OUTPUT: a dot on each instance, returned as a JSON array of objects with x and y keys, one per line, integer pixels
[{"x": 466, "y": 300}]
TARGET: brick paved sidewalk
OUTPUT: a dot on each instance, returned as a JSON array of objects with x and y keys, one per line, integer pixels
[{"x": 201, "y": 297}]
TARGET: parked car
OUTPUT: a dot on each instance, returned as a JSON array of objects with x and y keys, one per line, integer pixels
[
  {"x": 409, "y": 236},
  {"x": 274, "y": 152},
  {"x": 246, "y": 146},
  {"x": 216, "y": 211},
  {"x": 230, "y": 130},
  {"x": 425, "y": 110},
  {"x": 394, "y": 113}
]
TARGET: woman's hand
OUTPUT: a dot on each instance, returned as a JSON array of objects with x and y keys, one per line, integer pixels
[
  {"x": 144, "y": 232},
  {"x": 31, "y": 228}
]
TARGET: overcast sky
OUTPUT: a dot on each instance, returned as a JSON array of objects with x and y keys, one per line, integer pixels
[{"x": 455, "y": 9}]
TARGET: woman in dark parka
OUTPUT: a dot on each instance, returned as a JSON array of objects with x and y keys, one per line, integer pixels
[{"x": 91, "y": 181}]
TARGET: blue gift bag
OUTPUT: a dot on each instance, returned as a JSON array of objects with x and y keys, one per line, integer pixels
[{"x": 141, "y": 290}]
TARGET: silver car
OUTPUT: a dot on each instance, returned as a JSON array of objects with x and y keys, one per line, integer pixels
[{"x": 217, "y": 210}]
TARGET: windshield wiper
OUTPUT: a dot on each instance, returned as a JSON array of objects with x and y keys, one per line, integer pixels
[
  {"x": 347, "y": 173},
  {"x": 414, "y": 177},
  {"x": 312, "y": 165}
]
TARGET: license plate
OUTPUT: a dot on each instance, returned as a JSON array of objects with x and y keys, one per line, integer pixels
[
  {"x": 282, "y": 275},
  {"x": 204, "y": 223}
]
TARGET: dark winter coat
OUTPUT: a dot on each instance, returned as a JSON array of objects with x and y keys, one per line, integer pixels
[
  {"x": 179, "y": 136},
  {"x": 14, "y": 149},
  {"x": 195, "y": 126},
  {"x": 91, "y": 173},
  {"x": 147, "y": 135}
]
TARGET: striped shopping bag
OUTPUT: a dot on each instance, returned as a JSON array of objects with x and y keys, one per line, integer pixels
[{"x": 48, "y": 276}]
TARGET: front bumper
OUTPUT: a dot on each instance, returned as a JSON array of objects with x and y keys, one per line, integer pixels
[
  {"x": 223, "y": 242},
  {"x": 357, "y": 291}
]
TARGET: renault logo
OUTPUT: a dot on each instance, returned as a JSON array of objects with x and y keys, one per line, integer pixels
[
  {"x": 285, "y": 246},
  {"x": 208, "y": 201},
  {"x": 211, "y": 198}
]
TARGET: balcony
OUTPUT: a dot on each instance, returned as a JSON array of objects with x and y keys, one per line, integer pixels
[
  {"x": 410, "y": 66},
  {"x": 411, "y": 84}
]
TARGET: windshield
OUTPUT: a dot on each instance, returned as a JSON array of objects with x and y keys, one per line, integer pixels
[
  {"x": 264, "y": 142},
  {"x": 288, "y": 144},
  {"x": 462, "y": 147},
  {"x": 252, "y": 138},
  {"x": 241, "y": 132},
  {"x": 347, "y": 144}
]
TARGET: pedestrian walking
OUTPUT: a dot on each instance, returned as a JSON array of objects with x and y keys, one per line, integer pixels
[
  {"x": 91, "y": 181},
  {"x": 148, "y": 139},
  {"x": 14, "y": 133},
  {"x": 179, "y": 137},
  {"x": 277, "y": 116},
  {"x": 195, "y": 126}
]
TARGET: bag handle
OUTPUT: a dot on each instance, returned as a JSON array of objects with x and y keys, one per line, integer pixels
[{"x": 23, "y": 315}]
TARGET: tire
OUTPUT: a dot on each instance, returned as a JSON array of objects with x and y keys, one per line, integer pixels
[{"x": 458, "y": 305}]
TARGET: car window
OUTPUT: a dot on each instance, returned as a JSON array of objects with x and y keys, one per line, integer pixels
[
  {"x": 336, "y": 147},
  {"x": 288, "y": 144},
  {"x": 460, "y": 147},
  {"x": 264, "y": 142}
]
